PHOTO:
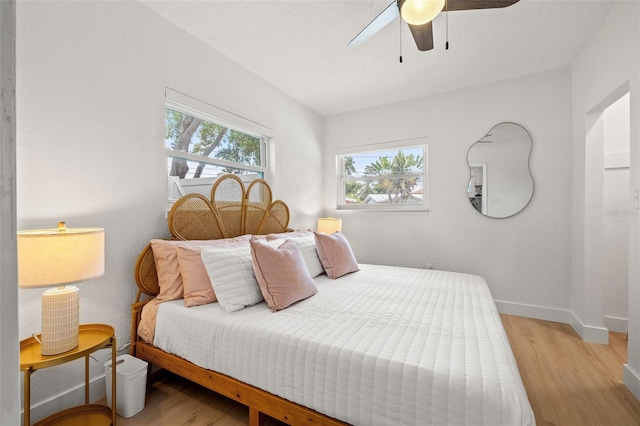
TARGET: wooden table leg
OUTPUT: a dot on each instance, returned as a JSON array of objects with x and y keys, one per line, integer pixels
[
  {"x": 113, "y": 381},
  {"x": 27, "y": 397},
  {"x": 86, "y": 379}
]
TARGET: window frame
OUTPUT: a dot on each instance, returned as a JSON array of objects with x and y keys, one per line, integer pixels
[
  {"x": 399, "y": 145},
  {"x": 186, "y": 104}
]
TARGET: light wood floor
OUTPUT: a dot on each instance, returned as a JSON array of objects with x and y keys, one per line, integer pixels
[{"x": 568, "y": 381}]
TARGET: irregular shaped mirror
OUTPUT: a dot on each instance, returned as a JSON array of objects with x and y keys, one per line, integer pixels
[{"x": 500, "y": 183}]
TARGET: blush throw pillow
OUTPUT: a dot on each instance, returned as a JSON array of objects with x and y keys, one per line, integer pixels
[
  {"x": 166, "y": 261},
  {"x": 282, "y": 274},
  {"x": 335, "y": 254},
  {"x": 196, "y": 284},
  {"x": 230, "y": 271}
]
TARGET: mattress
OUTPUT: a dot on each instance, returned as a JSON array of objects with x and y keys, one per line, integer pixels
[{"x": 382, "y": 346}]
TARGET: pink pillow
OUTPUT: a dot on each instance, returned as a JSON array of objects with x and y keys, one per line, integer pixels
[
  {"x": 166, "y": 260},
  {"x": 196, "y": 284},
  {"x": 335, "y": 254},
  {"x": 170, "y": 278},
  {"x": 281, "y": 273}
]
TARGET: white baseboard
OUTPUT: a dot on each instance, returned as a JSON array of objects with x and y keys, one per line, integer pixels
[
  {"x": 631, "y": 380},
  {"x": 619, "y": 325},
  {"x": 534, "y": 311},
  {"x": 590, "y": 333},
  {"x": 71, "y": 398},
  {"x": 565, "y": 316}
]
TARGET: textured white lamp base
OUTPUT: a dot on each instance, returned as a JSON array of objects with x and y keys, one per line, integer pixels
[{"x": 60, "y": 320}]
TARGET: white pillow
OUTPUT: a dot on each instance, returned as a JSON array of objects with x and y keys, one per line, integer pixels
[
  {"x": 230, "y": 270},
  {"x": 307, "y": 246}
]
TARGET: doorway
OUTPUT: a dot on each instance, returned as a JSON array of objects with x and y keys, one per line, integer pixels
[
  {"x": 606, "y": 278},
  {"x": 618, "y": 210}
]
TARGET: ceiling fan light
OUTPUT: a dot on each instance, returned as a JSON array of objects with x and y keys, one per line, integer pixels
[{"x": 419, "y": 12}]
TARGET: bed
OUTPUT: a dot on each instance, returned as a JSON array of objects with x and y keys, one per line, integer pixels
[{"x": 378, "y": 346}]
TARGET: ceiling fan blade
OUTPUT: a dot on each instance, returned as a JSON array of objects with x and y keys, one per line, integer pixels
[
  {"x": 477, "y": 4},
  {"x": 381, "y": 21},
  {"x": 423, "y": 35}
]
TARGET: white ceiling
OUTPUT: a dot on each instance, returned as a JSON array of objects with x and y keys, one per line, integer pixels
[{"x": 301, "y": 46}]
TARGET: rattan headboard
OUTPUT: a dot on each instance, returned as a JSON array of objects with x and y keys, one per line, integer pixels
[{"x": 232, "y": 211}]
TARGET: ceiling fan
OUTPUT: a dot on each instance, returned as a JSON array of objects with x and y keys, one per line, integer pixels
[{"x": 419, "y": 15}]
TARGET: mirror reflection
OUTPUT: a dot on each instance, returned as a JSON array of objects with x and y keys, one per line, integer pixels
[{"x": 500, "y": 183}]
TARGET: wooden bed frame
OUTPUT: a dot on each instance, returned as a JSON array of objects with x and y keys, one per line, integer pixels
[{"x": 231, "y": 211}]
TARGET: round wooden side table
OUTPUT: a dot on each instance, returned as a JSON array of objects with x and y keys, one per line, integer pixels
[{"x": 92, "y": 337}]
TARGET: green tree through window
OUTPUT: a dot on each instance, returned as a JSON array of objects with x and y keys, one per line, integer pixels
[
  {"x": 384, "y": 178},
  {"x": 398, "y": 189},
  {"x": 211, "y": 141}
]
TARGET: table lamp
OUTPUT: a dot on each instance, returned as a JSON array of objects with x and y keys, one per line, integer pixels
[
  {"x": 57, "y": 257},
  {"x": 329, "y": 225}
]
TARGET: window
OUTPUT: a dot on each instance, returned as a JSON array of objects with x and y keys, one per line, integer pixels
[
  {"x": 387, "y": 176},
  {"x": 201, "y": 147}
]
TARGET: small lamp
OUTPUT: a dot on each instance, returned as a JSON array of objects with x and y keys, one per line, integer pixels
[
  {"x": 56, "y": 257},
  {"x": 329, "y": 225},
  {"x": 419, "y": 12}
]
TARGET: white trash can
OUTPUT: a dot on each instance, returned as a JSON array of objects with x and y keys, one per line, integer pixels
[{"x": 131, "y": 384}]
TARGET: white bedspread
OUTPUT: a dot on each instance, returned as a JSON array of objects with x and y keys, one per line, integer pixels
[{"x": 382, "y": 346}]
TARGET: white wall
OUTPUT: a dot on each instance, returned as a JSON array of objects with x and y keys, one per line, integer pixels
[
  {"x": 91, "y": 87},
  {"x": 522, "y": 263},
  {"x": 605, "y": 69}
]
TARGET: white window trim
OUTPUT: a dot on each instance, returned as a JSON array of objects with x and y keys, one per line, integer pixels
[
  {"x": 383, "y": 146},
  {"x": 197, "y": 108}
]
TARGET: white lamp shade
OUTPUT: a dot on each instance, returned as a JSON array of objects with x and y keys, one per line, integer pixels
[
  {"x": 49, "y": 257},
  {"x": 419, "y": 12},
  {"x": 329, "y": 225}
]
